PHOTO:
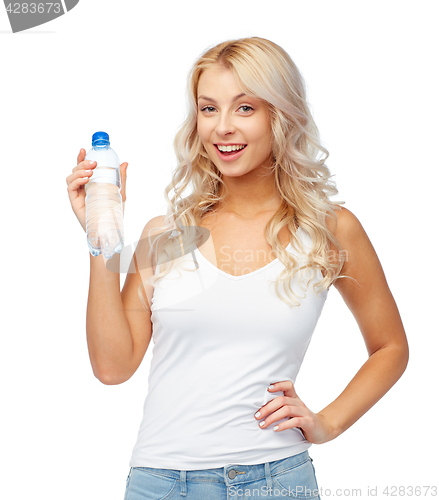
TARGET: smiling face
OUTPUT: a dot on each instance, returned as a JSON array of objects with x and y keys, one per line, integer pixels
[{"x": 226, "y": 116}]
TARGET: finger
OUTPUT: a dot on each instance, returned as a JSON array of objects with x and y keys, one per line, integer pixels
[
  {"x": 275, "y": 404},
  {"x": 272, "y": 406},
  {"x": 123, "y": 169},
  {"x": 283, "y": 412},
  {"x": 81, "y": 155},
  {"x": 76, "y": 183},
  {"x": 292, "y": 423},
  {"x": 285, "y": 386},
  {"x": 79, "y": 175},
  {"x": 123, "y": 176},
  {"x": 84, "y": 165}
]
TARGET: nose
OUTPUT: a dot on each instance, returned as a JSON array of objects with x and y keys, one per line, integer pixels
[{"x": 224, "y": 125}]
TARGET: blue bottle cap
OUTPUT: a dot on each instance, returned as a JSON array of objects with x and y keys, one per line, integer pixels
[{"x": 100, "y": 139}]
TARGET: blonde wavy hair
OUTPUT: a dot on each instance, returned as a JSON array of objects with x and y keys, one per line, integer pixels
[{"x": 265, "y": 71}]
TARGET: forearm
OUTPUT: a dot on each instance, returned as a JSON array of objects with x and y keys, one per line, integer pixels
[
  {"x": 374, "y": 379},
  {"x": 109, "y": 339}
]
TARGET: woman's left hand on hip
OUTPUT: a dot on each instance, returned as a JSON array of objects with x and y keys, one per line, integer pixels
[{"x": 315, "y": 427}]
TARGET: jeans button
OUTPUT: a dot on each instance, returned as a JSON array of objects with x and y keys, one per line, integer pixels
[{"x": 232, "y": 474}]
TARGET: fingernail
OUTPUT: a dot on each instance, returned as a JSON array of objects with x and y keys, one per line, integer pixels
[
  {"x": 261, "y": 423},
  {"x": 258, "y": 414},
  {"x": 275, "y": 428},
  {"x": 271, "y": 387}
]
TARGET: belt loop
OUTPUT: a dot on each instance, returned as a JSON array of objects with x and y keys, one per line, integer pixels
[
  {"x": 268, "y": 476},
  {"x": 183, "y": 490}
]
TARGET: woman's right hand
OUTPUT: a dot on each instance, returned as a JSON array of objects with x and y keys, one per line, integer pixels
[{"x": 76, "y": 183}]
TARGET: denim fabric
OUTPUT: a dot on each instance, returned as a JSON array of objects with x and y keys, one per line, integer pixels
[{"x": 292, "y": 477}]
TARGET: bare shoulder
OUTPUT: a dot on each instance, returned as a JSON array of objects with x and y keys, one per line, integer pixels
[
  {"x": 150, "y": 229},
  {"x": 155, "y": 222},
  {"x": 144, "y": 244},
  {"x": 361, "y": 261},
  {"x": 345, "y": 225}
]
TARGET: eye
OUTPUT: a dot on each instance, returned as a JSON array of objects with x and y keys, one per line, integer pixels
[
  {"x": 248, "y": 107},
  {"x": 207, "y": 107}
]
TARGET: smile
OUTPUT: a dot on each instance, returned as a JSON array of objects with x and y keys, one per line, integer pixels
[
  {"x": 234, "y": 147},
  {"x": 230, "y": 153}
]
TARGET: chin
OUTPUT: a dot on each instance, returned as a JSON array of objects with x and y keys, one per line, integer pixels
[{"x": 233, "y": 172}]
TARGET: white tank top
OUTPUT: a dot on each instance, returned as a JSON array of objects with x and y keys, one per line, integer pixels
[{"x": 219, "y": 342}]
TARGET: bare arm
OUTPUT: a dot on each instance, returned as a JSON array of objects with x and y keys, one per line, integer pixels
[
  {"x": 109, "y": 337},
  {"x": 119, "y": 328},
  {"x": 377, "y": 315}
]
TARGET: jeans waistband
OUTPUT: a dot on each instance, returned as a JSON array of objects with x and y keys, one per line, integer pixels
[{"x": 233, "y": 474}]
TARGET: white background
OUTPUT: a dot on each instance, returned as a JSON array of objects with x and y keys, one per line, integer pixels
[{"x": 121, "y": 66}]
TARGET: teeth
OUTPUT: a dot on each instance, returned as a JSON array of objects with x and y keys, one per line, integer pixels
[{"x": 230, "y": 148}]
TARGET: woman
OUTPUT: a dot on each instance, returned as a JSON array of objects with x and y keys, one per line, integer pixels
[{"x": 236, "y": 275}]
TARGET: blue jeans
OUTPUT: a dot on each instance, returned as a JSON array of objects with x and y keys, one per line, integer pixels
[{"x": 292, "y": 477}]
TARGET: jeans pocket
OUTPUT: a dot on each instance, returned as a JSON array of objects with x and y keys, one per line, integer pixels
[
  {"x": 145, "y": 484},
  {"x": 127, "y": 483},
  {"x": 298, "y": 482},
  {"x": 313, "y": 468}
]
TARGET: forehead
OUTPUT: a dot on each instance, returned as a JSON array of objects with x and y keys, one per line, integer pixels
[{"x": 217, "y": 76}]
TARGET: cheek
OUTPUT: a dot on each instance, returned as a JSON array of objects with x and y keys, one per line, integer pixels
[
  {"x": 264, "y": 144},
  {"x": 202, "y": 132},
  {"x": 262, "y": 135}
]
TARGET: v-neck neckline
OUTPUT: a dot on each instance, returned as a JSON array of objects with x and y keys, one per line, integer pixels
[{"x": 243, "y": 276}]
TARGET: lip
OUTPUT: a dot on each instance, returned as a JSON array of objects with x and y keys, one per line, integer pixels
[{"x": 229, "y": 157}]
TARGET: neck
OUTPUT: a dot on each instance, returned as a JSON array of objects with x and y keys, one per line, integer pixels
[{"x": 249, "y": 197}]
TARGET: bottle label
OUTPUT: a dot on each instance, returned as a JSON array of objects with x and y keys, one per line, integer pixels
[{"x": 105, "y": 175}]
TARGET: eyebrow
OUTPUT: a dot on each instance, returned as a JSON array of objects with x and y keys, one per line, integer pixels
[{"x": 213, "y": 100}]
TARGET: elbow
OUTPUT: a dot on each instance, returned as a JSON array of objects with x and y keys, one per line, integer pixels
[
  {"x": 396, "y": 355},
  {"x": 400, "y": 354},
  {"x": 404, "y": 352},
  {"x": 406, "y": 356},
  {"x": 110, "y": 374},
  {"x": 112, "y": 381},
  {"x": 403, "y": 359},
  {"x": 108, "y": 378}
]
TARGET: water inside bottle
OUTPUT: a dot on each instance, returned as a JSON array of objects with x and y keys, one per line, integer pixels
[{"x": 104, "y": 219}]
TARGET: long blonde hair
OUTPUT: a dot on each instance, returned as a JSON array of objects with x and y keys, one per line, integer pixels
[{"x": 265, "y": 71}]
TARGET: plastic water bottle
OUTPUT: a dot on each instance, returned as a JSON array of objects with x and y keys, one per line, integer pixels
[{"x": 103, "y": 201}]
